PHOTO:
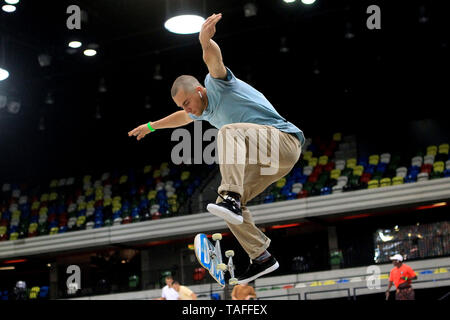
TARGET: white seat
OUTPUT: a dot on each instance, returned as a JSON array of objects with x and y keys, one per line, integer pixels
[
  {"x": 429, "y": 159},
  {"x": 342, "y": 181},
  {"x": 385, "y": 158},
  {"x": 337, "y": 189},
  {"x": 401, "y": 172},
  {"x": 307, "y": 170},
  {"x": 423, "y": 176},
  {"x": 447, "y": 164},
  {"x": 340, "y": 164},
  {"x": 417, "y": 161}
]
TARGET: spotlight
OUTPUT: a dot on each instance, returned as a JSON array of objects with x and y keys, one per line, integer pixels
[
  {"x": 289, "y": 1},
  {"x": 90, "y": 52},
  {"x": 4, "y": 74},
  {"x": 12, "y": 1},
  {"x": 184, "y": 24},
  {"x": 147, "y": 104},
  {"x": 3, "y": 100},
  {"x": 308, "y": 1},
  {"x": 102, "y": 86},
  {"x": 75, "y": 44},
  {"x": 157, "y": 75},
  {"x": 44, "y": 60},
  {"x": 41, "y": 126},
  {"x": 349, "y": 33},
  {"x": 184, "y": 16},
  {"x": 13, "y": 107},
  {"x": 283, "y": 47},
  {"x": 49, "y": 99},
  {"x": 250, "y": 10},
  {"x": 8, "y": 8}
]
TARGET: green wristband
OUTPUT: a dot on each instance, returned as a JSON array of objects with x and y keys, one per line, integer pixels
[
  {"x": 150, "y": 127},
  {"x": 406, "y": 278}
]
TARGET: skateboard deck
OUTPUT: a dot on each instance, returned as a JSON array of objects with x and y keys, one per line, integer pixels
[{"x": 208, "y": 257}]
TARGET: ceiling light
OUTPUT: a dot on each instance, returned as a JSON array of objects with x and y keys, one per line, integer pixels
[
  {"x": 308, "y": 1},
  {"x": 75, "y": 44},
  {"x": 8, "y": 8},
  {"x": 12, "y": 1},
  {"x": 184, "y": 24},
  {"x": 289, "y": 1},
  {"x": 250, "y": 10},
  {"x": 4, "y": 74},
  {"x": 90, "y": 52}
]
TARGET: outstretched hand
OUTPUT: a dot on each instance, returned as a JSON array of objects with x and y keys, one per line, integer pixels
[
  {"x": 209, "y": 27},
  {"x": 140, "y": 132}
]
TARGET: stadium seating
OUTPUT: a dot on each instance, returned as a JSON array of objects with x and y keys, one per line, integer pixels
[
  {"x": 90, "y": 202},
  {"x": 122, "y": 197}
]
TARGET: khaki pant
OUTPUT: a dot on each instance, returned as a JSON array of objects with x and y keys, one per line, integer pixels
[{"x": 247, "y": 180}]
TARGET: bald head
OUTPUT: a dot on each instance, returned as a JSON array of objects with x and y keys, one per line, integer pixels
[{"x": 185, "y": 82}]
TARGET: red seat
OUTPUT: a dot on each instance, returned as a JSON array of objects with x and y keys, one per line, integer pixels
[
  {"x": 302, "y": 194},
  {"x": 199, "y": 274},
  {"x": 428, "y": 168}
]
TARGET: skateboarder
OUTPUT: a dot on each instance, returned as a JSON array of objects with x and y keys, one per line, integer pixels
[{"x": 236, "y": 109}]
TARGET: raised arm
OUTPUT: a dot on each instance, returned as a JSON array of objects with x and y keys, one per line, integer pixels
[{"x": 211, "y": 51}]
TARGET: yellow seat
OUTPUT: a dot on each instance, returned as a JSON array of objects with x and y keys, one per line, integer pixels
[
  {"x": 337, "y": 136},
  {"x": 3, "y": 230},
  {"x": 432, "y": 150},
  {"x": 35, "y": 205},
  {"x": 87, "y": 179},
  {"x": 44, "y": 197},
  {"x": 54, "y": 230},
  {"x": 439, "y": 166},
  {"x": 54, "y": 183},
  {"x": 14, "y": 236},
  {"x": 444, "y": 148},
  {"x": 81, "y": 220},
  {"x": 358, "y": 170},
  {"x": 123, "y": 179},
  {"x": 385, "y": 182},
  {"x": 53, "y": 196},
  {"x": 323, "y": 160},
  {"x": 43, "y": 210},
  {"x": 397, "y": 181},
  {"x": 335, "y": 174},
  {"x": 372, "y": 184},
  {"x": 151, "y": 195},
  {"x": 374, "y": 159},
  {"x": 351, "y": 163},
  {"x": 34, "y": 292},
  {"x": 281, "y": 183},
  {"x": 147, "y": 168},
  {"x": 307, "y": 155},
  {"x": 312, "y": 162},
  {"x": 157, "y": 174},
  {"x": 82, "y": 205},
  {"x": 185, "y": 175}
]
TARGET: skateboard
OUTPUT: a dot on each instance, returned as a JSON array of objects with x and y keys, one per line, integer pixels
[{"x": 210, "y": 257}]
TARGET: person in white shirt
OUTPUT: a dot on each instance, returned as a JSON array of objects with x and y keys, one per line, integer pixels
[{"x": 168, "y": 292}]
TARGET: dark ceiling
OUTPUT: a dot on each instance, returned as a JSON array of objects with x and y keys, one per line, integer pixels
[{"x": 326, "y": 82}]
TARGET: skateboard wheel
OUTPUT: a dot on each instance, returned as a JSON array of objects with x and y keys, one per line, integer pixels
[
  {"x": 217, "y": 236},
  {"x": 233, "y": 281},
  {"x": 229, "y": 253},
  {"x": 221, "y": 267}
]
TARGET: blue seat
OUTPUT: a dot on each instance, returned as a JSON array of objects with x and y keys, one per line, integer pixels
[
  {"x": 269, "y": 198},
  {"x": 447, "y": 173},
  {"x": 325, "y": 191},
  {"x": 43, "y": 293}
]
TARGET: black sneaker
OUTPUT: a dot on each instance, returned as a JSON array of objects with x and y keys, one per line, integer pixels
[
  {"x": 229, "y": 209},
  {"x": 258, "y": 269}
]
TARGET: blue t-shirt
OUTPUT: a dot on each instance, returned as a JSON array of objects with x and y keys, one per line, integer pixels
[{"x": 234, "y": 101}]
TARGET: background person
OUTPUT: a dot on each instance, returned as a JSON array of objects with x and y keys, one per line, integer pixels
[
  {"x": 401, "y": 276},
  {"x": 168, "y": 292},
  {"x": 184, "y": 292},
  {"x": 243, "y": 292}
]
